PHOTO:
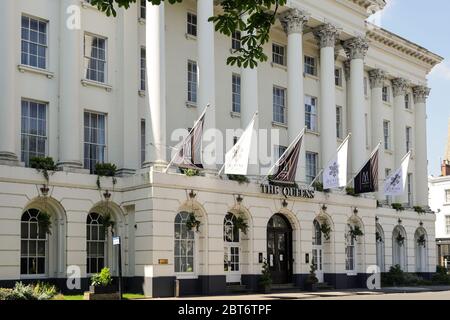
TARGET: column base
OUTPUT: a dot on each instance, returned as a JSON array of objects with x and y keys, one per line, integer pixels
[
  {"x": 9, "y": 159},
  {"x": 157, "y": 166},
  {"x": 123, "y": 172},
  {"x": 72, "y": 166}
]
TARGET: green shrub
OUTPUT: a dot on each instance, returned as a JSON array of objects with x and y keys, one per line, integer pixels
[
  {"x": 441, "y": 276},
  {"x": 351, "y": 191},
  {"x": 39, "y": 291},
  {"x": 398, "y": 207},
  {"x": 105, "y": 170},
  {"x": 43, "y": 165},
  {"x": 190, "y": 172},
  {"x": 238, "y": 178},
  {"x": 102, "y": 279},
  {"x": 44, "y": 291}
]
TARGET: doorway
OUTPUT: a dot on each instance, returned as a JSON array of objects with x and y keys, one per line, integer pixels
[{"x": 279, "y": 249}]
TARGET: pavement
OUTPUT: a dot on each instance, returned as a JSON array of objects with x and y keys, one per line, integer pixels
[{"x": 392, "y": 293}]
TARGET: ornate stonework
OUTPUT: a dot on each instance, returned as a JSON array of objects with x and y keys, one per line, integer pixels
[
  {"x": 421, "y": 94},
  {"x": 399, "y": 86},
  {"x": 377, "y": 77},
  {"x": 326, "y": 35},
  {"x": 294, "y": 20},
  {"x": 356, "y": 48}
]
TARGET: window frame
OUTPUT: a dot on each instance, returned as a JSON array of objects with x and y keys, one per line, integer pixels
[
  {"x": 236, "y": 41},
  {"x": 280, "y": 55},
  {"x": 236, "y": 96},
  {"x": 191, "y": 26},
  {"x": 308, "y": 67},
  {"x": 105, "y": 146},
  {"x": 193, "y": 239},
  {"x": 339, "y": 122},
  {"x": 338, "y": 77},
  {"x": 309, "y": 178},
  {"x": 387, "y": 138},
  {"x": 87, "y": 59},
  {"x": 276, "y": 105},
  {"x": 143, "y": 69},
  {"x": 312, "y": 116},
  {"x": 99, "y": 227},
  {"x": 192, "y": 84},
  {"x": 46, "y": 46},
  {"x": 385, "y": 94}
]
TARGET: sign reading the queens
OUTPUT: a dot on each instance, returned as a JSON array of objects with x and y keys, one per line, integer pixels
[{"x": 288, "y": 191}]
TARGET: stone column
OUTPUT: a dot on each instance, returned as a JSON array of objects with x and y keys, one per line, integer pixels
[
  {"x": 8, "y": 106},
  {"x": 70, "y": 138},
  {"x": 155, "y": 113},
  {"x": 399, "y": 87},
  {"x": 326, "y": 36},
  {"x": 421, "y": 161},
  {"x": 206, "y": 71},
  {"x": 377, "y": 78},
  {"x": 293, "y": 22},
  {"x": 356, "y": 49}
]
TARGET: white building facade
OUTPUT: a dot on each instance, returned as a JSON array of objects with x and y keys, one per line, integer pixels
[{"x": 81, "y": 96}]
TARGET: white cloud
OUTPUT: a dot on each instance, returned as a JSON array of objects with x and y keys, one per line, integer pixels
[
  {"x": 377, "y": 18},
  {"x": 442, "y": 71}
]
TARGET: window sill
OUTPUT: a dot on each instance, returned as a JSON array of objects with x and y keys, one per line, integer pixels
[
  {"x": 141, "y": 21},
  {"x": 409, "y": 110},
  {"x": 186, "y": 276},
  {"x": 142, "y": 93},
  {"x": 310, "y": 76},
  {"x": 90, "y": 83},
  {"x": 23, "y": 68},
  {"x": 352, "y": 273},
  {"x": 340, "y": 88},
  {"x": 190, "y": 36},
  {"x": 279, "y": 66},
  {"x": 316, "y": 133},
  {"x": 191, "y": 104},
  {"x": 235, "y": 114},
  {"x": 279, "y": 124},
  {"x": 388, "y": 151},
  {"x": 387, "y": 104}
]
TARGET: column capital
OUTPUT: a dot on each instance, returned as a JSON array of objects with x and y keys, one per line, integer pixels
[
  {"x": 294, "y": 20},
  {"x": 377, "y": 77},
  {"x": 421, "y": 94},
  {"x": 356, "y": 48},
  {"x": 399, "y": 86},
  {"x": 326, "y": 35}
]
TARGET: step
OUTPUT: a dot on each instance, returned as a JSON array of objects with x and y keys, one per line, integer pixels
[{"x": 237, "y": 288}]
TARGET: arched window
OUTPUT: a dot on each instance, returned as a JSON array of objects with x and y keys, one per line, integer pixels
[
  {"x": 184, "y": 244},
  {"x": 350, "y": 250},
  {"x": 317, "y": 236},
  {"x": 379, "y": 238},
  {"x": 420, "y": 239},
  {"x": 34, "y": 245},
  {"x": 95, "y": 243},
  {"x": 230, "y": 232},
  {"x": 399, "y": 248}
]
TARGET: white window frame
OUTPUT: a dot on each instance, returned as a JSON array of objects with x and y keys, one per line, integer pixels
[
  {"x": 339, "y": 124},
  {"x": 410, "y": 189},
  {"x": 194, "y": 239},
  {"x": 447, "y": 224},
  {"x": 447, "y": 196},
  {"x": 36, "y": 43},
  {"x": 311, "y": 167},
  {"x": 191, "y": 26},
  {"x": 97, "y": 144},
  {"x": 236, "y": 40},
  {"x": 312, "y": 103},
  {"x": 25, "y": 157},
  {"x": 310, "y": 67},
  {"x": 142, "y": 9},
  {"x": 278, "y": 54},
  {"x": 276, "y": 103},
  {"x": 143, "y": 69},
  {"x": 387, "y": 135},
  {"x": 407, "y": 101},
  {"x": 236, "y": 98},
  {"x": 192, "y": 82},
  {"x": 143, "y": 141},
  {"x": 28, "y": 239},
  {"x": 89, "y": 240},
  {"x": 87, "y": 59},
  {"x": 386, "y": 97},
  {"x": 408, "y": 139},
  {"x": 338, "y": 77},
  {"x": 351, "y": 243}
]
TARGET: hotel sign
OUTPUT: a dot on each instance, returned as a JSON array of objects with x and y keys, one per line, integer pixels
[{"x": 288, "y": 192}]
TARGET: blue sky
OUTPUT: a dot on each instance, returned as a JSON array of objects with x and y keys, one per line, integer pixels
[{"x": 427, "y": 23}]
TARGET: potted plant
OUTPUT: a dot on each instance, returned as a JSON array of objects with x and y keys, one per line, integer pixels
[
  {"x": 398, "y": 207},
  {"x": 101, "y": 283},
  {"x": 378, "y": 237},
  {"x": 351, "y": 191},
  {"x": 419, "y": 210},
  {"x": 326, "y": 230},
  {"x": 188, "y": 172},
  {"x": 241, "y": 223},
  {"x": 265, "y": 280},
  {"x": 421, "y": 241},
  {"x": 105, "y": 170},
  {"x": 43, "y": 165},
  {"x": 45, "y": 222},
  {"x": 400, "y": 239},
  {"x": 192, "y": 222},
  {"x": 241, "y": 179},
  {"x": 311, "y": 280},
  {"x": 355, "y": 232}
]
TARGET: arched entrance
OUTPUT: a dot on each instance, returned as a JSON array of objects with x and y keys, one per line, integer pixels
[
  {"x": 379, "y": 237},
  {"x": 232, "y": 249},
  {"x": 420, "y": 240},
  {"x": 399, "y": 248},
  {"x": 279, "y": 249},
  {"x": 317, "y": 250}
]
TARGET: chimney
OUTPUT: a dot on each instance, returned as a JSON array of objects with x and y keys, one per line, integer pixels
[{"x": 445, "y": 168}]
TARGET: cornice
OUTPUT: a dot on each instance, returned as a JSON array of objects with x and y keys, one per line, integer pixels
[{"x": 406, "y": 47}]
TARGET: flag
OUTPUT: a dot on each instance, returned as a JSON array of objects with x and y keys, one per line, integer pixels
[
  {"x": 335, "y": 173},
  {"x": 395, "y": 184},
  {"x": 286, "y": 166},
  {"x": 189, "y": 151},
  {"x": 236, "y": 160},
  {"x": 366, "y": 180}
]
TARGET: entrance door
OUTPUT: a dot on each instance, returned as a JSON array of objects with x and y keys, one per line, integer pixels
[
  {"x": 279, "y": 249},
  {"x": 232, "y": 249},
  {"x": 317, "y": 251}
]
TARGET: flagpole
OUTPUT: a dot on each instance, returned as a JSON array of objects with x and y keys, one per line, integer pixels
[
  {"x": 338, "y": 149},
  {"x": 357, "y": 172},
  {"x": 254, "y": 118},
  {"x": 185, "y": 139},
  {"x": 287, "y": 150}
]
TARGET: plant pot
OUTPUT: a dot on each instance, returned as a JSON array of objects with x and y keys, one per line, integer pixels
[{"x": 103, "y": 289}]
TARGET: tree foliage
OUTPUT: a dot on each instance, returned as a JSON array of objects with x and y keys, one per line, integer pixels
[{"x": 254, "y": 18}]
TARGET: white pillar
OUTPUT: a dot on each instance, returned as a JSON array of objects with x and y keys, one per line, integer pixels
[
  {"x": 206, "y": 69},
  {"x": 8, "y": 105},
  {"x": 250, "y": 105},
  {"x": 399, "y": 87},
  {"x": 70, "y": 141},
  {"x": 421, "y": 161},
  {"x": 356, "y": 49},
  {"x": 155, "y": 113},
  {"x": 326, "y": 36},
  {"x": 293, "y": 22},
  {"x": 377, "y": 78}
]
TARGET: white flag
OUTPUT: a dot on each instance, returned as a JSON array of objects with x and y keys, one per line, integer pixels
[
  {"x": 335, "y": 173},
  {"x": 236, "y": 160},
  {"x": 395, "y": 184}
]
